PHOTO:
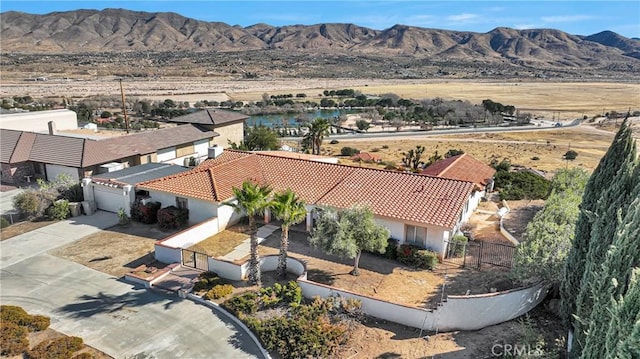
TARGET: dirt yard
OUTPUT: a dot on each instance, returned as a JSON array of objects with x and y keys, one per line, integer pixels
[
  {"x": 221, "y": 243},
  {"x": 116, "y": 250},
  {"x": 521, "y": 213}
]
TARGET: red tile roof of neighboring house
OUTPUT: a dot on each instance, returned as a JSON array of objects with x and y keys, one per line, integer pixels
[
  {"x": 405, "y": 196},
  {"x": 366, "y": 157},
  {"x": 461, "y": 167}
]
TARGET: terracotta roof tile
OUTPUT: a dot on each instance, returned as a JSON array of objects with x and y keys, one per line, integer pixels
[
  {"x": 463, "y": 168},
  {"x": 365, "y": 156},
  {"x": 404, "y": 196}
]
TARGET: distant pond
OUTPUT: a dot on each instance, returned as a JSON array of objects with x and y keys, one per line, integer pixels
[{"x": 289, "y": 119}]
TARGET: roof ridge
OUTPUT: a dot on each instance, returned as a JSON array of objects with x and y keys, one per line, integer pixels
[
  {"x": 213, "y": 184},
  {"x": 451, "y": 164},
  {"x": 210, "y": 116}
]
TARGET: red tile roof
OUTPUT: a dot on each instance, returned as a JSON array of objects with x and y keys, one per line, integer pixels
[
  {"x": 404, "y": 196},
  {"x": 463, "y": 168}
]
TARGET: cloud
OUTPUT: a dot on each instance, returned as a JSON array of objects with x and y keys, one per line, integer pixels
[
  {"x": 566, "y": 18},
  {"x": 525, "y": 26},
  {"x": 461, "y": 17}
]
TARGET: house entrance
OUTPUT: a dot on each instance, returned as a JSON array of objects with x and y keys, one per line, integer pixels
[{"x": 195, "y": 260}]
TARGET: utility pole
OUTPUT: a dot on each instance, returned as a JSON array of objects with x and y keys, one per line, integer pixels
[{"x": 124, "y": 108}]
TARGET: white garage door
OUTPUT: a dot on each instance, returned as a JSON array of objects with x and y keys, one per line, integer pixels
[
  {"x": 54, "y": 170},
  {"x": 109, "y": 198}
]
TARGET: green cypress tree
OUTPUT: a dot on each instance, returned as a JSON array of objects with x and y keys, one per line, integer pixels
[
  {"x": 623, "y": 335},
  {"x": 609, "y": 165},
  {"x": 611, "y": 283},
  {"x": 608, "y": 215}
]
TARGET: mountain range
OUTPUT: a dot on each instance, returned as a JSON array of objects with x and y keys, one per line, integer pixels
[{"x": 119, "y": 30}]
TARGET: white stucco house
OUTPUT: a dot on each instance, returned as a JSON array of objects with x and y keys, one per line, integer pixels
[{"x": 419, "y": 209}]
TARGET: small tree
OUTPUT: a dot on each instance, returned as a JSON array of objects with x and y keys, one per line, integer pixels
[
  {"x": 349, "y": 232},
  {"x": 570, "y": 155},
  {"x": 251, "y": 200},
  {"x": 363, "y": 125},
  {"x": 412, "y": 158},
  {"x": 288, "y": 208}
]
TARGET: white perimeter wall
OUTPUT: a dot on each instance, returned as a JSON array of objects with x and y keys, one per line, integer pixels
[{"x": 227, "y": 215}]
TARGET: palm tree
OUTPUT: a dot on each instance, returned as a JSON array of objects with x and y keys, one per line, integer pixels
[
  {"x": 252, "y": 199},
  {"x": 318, "y": 129},
  {"x": 288, "y": 208}
]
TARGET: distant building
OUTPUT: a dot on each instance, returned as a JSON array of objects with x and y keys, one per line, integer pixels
[
  {"x": 38, "y": 121},
  {"x": 228, "y": 124}
]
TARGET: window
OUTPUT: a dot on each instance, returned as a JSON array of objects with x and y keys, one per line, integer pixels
[
  {"x": 182, "y": 203},
  {"x": 416, "y": 235}
]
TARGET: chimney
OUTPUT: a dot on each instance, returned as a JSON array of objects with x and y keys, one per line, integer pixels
[
  {"x": 52, "y": 127},
  {"x": 215, "y": 151}
]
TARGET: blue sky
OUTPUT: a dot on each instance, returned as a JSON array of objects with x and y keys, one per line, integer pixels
[{"x": 574, "y": 17}]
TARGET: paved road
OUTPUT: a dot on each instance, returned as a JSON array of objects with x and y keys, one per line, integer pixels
[{"x": 111, "y": 315}]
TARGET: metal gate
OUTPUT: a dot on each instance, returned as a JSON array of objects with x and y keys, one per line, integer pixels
[
  {"x": 195, "y": 260},
  {"x": 474, "y": 254}
]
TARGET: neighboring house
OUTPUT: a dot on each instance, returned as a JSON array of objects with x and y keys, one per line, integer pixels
[
  {"x": 366, "y": 157},
  {"x": 228, "y": 124},
  {"x": 115, "y": 190},
  {"x": 300, "y": 156},
  {"x": 25, "y": 155},
  {"x": 416, "y": 209},
  {"x": 38, "y": 121},
  {"x": 465, "y": 168}
]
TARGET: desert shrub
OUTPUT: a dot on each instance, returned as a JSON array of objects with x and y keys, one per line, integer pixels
[
  {"x": 60, "y": 210},
  {"x": 385, "y": 147},
  {"x": 289, "y": 293},
  {"x": 375, "y": 149},
  {"x": 172, "y": 217},
  {"x": 391, "y": 251},
  {"x": 38, "y": 323},
  {"x": 334, "y": 142},
  {"x": 390, "y": 165},
  {"x": 349, "y": 151},
  {"x": 60, "y": 348},
  {"x": 522, "y": 185},
  {"x": 83, "y": 355},
  {"x": 457, "y": 245},
  {"x": 4, "y": 223},
  {"x": 13, "y": 339},
  {"x": 18, "y": 316},
  {"x": 219, "y": 291},
  {"x": 415, "y": 256},
  {"x": 145, "y": 213},
  {"x": 570, "y": 155},
  {"x": 246, "y": 303},
  {"x": 535, "y": 158},
  {"x": 73, "y": 193},
  {"x": 33, "y": 203},
  {"x": 206, "y": 281}
]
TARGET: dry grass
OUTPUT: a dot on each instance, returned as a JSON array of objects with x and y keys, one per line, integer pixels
[
  {"x": 518, "y": 147},
  {"x": 22, "y": 228},
  {"x": 220, "y": 243}
]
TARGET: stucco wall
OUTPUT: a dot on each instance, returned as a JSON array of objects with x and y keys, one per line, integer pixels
[
  {"x": 233, "y": 133},
  {"x": 226, "y": 216},
  {"x": 396, "y": 228},
  {"x": 457, "y": 313},
  {"x": 192, "y": 235},
  {"x": 199, "y": 210}
]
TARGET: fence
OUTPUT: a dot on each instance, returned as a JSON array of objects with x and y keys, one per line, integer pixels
[{"x": 473, "y": 254}]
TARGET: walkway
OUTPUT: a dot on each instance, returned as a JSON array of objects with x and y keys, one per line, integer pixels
[
  {"x": 244, "y": 249},
  {"x": 109, "y": 314}
]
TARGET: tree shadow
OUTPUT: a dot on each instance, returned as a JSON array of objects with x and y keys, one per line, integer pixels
[
  {"x": 321, "y": 276},
  {"x": 89, "y": 305}
]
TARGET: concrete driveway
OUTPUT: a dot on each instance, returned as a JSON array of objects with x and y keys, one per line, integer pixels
[{"x": 110, "y": 315}]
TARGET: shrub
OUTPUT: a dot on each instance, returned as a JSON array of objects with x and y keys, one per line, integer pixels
[
  {"x": 457, "y": 245},
  {"x": 349, "y": 151},
  {"x": 4, "y": 223},
  {"x": 172, "y": 217},
  {"x": 535, "y": 158},
  {"x": 145, "y": 213},
  {"x": 13, "y": 339},
  {"x": 60, "y": 209},
  {"x": 206, "y": 281},
  {"x": 73, "y": 193},
  {"x": 289, "y": 293},
  {"x": 570, "y": 155},
  {"x": 33, "y": 203},
  {"x": 390, "y": 165},
  {"x": 83, "y": 355},
  {"x": 415, "y": 256},
  {"x": 334, "y": 142},
  {"x": 391, "y": 251},
  {"x": 522, "y": 185},
  {"x": 246, "y": 303},
  {"x": 385, "y": 147},
  {"x": 219, "y": 291},
  {"x": 18, "y": 316},
  {"x": 60, "y": 348},
  {"x": 38, "y": 323},
  {"x": 375, "y": 149}
]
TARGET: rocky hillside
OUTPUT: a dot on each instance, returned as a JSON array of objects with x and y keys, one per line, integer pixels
[{"x": 118, "y": 30}]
